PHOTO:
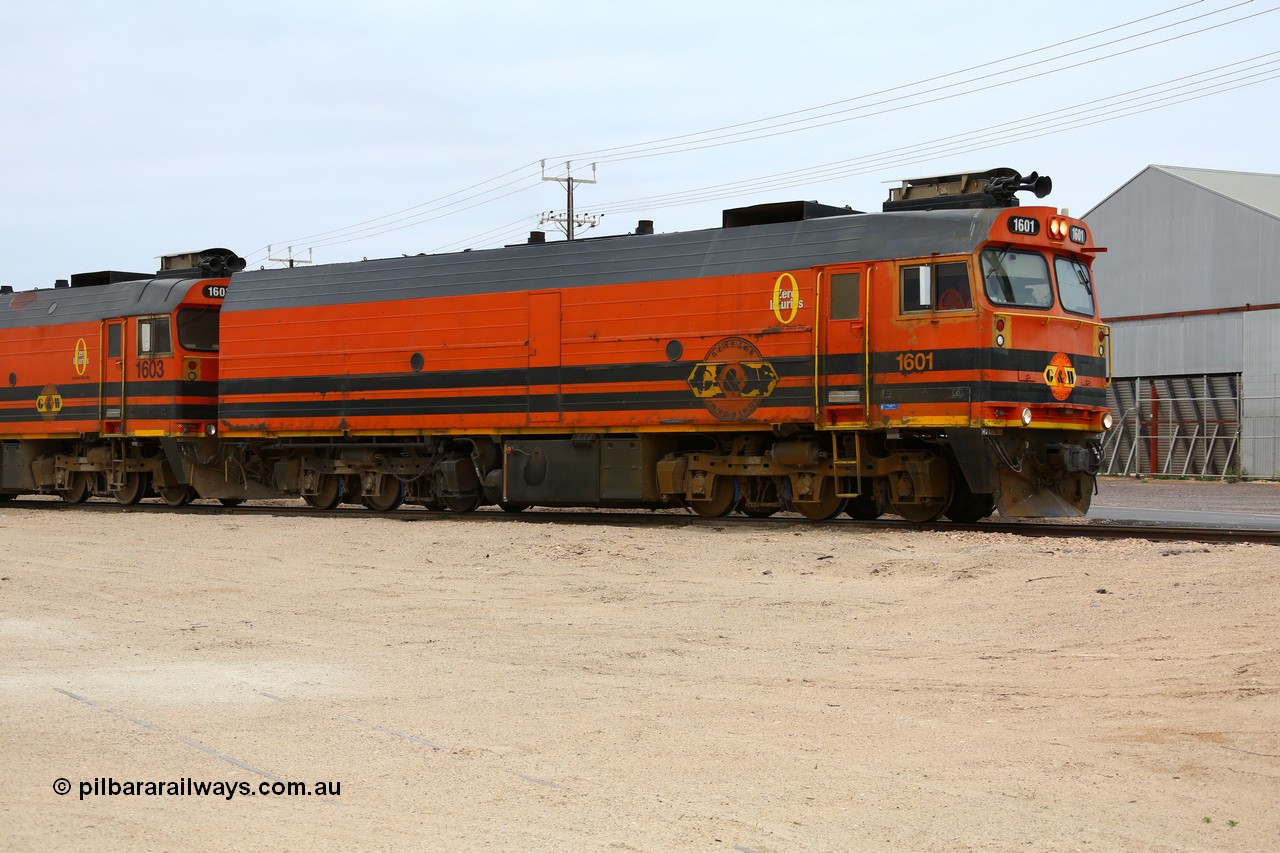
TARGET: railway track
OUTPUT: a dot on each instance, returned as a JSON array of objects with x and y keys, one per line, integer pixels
[{"x": 1073, "y": 528}]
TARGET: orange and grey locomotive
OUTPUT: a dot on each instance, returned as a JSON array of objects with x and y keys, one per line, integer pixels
[{"x": 942, "y": 356}]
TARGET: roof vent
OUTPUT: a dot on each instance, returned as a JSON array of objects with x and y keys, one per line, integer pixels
[
  {"x": 96, "y": 279},
  {"x": 781, "y": 211}
]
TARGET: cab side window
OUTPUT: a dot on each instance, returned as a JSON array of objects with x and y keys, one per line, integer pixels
[
  {"x": 936, "y": 287},
  {"x": 153, "y": 337},
  {"x": 953, "y": 287},
  {"x": 917, "y": 289}
]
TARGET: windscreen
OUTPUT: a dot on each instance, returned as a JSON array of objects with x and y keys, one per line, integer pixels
[
  {"x": 1074, "y": 287},
  {"x": 198, "y": 329},
  {"x": 1017, "y": 278}
]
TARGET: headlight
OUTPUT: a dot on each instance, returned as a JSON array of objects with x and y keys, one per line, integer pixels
[
  {"x": 1106, "y": 421},
  {"x": 1026, "y": 417}
]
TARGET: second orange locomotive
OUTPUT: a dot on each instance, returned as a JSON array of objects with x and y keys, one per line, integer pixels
[{"x": 943, "y": 356}]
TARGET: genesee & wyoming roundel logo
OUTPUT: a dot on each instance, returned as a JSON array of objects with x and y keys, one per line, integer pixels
[
  {"x": 1060, "y": 376},
  {"x": 733, "y": 379}
]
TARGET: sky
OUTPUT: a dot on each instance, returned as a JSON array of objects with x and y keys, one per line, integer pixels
[{"x": 339, "y": 131}]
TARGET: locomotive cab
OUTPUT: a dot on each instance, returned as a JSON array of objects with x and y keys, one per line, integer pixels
[
  {"x": 987, "y": 369},
  {"x": 119, "y": 366}
]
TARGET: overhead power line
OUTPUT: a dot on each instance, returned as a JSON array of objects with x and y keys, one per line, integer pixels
[
  {"x": 527, "y": 177},
  {"x": 1078, "y": 115}
]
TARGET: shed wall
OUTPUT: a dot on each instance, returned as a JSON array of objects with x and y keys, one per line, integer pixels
[
  {"x": 1260, "y": 455},
  {"x": 1173, "y": 346},
  {"x": 1174, "y": 246}
]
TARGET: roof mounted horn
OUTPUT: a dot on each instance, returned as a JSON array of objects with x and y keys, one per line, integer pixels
[
  {"x": 217, "y": 263},
  {"x": 990, "y": 188}
]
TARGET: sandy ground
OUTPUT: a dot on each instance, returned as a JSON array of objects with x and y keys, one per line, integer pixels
[{"x": 522, "y": 686}]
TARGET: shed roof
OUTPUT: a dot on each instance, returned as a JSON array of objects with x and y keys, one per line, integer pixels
[{"x": 1257, "y": 190}]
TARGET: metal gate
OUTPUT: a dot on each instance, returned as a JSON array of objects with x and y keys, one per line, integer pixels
[{"x": 1175, "y": 426}]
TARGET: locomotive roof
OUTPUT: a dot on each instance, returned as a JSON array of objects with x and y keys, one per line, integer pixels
[
  {"x": 55, "y": 306},
  {"x": 620, "y": 260}
]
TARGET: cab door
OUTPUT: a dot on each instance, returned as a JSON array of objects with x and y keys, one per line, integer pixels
[
  {"x": 843, "y": 381},
  {"x": 111, "y": 388}
]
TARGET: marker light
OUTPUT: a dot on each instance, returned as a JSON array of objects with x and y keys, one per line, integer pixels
[
  {"x": 999, "y": 340},
  {"x": 1026, "y": 417}
]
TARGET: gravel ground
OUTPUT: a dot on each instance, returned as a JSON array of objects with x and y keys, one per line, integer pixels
[{"x": 547, "y": 687}]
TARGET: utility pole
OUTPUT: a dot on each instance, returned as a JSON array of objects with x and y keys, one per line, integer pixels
[
  {"x": 568, "y": 221},
  {"x": 290, "y": 260}
]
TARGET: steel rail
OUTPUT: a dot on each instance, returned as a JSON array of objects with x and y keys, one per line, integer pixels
[{"x": 1071, "y": 528}]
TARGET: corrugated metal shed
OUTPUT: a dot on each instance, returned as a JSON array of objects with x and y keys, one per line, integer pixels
[
  {"x": 1178, "y": 241},
  {"x": 1191, "y": 286}
]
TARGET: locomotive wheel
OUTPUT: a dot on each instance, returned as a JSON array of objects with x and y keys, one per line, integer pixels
[
  {"x": 391, "y": 496},
  {"x": 921, "y": 512},
  {"x": 965, "y": 506},
  {"x": 134, "y": 488},
  {"x": 177, "y": 495},
  {"x": 461, "y": 503},
  {"x": 77, "y": 490},
  {"x": 970, "y": 508},
  {"x": 724, "y": 497},
  {"x": 231, "y": 501},
  {"x": 864, "y": 507},
  {"x": 828, "y": 505},
  {"x": 328, "y": 494}
]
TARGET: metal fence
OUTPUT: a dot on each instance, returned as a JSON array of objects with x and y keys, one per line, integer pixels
[{"x": 1175, "y": 426}]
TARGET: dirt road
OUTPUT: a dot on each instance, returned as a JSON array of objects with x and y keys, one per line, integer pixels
[{"x": 515, "y": 686}]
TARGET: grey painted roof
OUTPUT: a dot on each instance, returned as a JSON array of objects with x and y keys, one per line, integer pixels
[
  {"x": 54, "y": 306},
  {"x": 1257, "y": 190},
  {"x": 619, "y": 260}
]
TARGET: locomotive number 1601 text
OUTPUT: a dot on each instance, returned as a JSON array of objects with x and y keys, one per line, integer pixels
[{"x": 909, "y": 362}]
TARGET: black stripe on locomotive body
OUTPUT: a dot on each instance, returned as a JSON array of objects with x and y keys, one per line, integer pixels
[
  {"x": 81, "y": 401},
  {"x": 628, "y": 259},
  {"x": 82, "y": 390},
  {"x": 974, "y": 358},
  {"x": 612, "y": 401},
  {"x": 170, "y": 412},
  {"x": 133, "y": 412},
  {"x": 979, "y": 392},
  {"x": 515, "y": 377}
]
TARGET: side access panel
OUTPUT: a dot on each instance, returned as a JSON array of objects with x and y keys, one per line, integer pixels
[{"x": 584, "y": 470}]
